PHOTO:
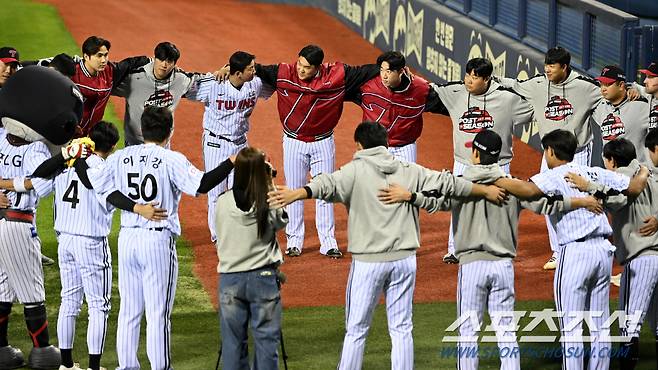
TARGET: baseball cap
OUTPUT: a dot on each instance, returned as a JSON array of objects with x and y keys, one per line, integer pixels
[
  {"x": 651, "y": 71},
  {"x": 611, "y": 74},
  {"x": 9, "y": 55},
  {"x": 488, "y": 141}
]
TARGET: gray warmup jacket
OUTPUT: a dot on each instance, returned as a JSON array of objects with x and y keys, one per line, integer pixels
[
  {"x": 498, "y": 109},
  {"x": 627, "y": 120},
  {"x": 142, "y": 89},
  {"x": 484, "y": 230},
  {"x": 565, "y": 106},
  {"x": 238, "y": 247},
  {"x": 628, "y": 217},
  {"x": 379, "y": 232},
  {"x": 653, "y": 105}
]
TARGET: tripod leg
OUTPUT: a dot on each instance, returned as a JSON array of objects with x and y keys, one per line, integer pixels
[{"x": 283, "y": 351}]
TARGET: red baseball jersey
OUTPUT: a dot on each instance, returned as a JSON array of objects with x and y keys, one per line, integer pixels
[
  {"x": 310, "y": 110},
  {"x": 401, "y": 112}
]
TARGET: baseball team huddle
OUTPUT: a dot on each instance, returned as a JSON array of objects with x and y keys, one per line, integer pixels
[{"x": 382, "y": 187}]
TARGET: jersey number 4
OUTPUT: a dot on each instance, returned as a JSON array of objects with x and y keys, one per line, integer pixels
[
  {"x": 146, "y": 190},
  {"x": 71, "y": 194}
]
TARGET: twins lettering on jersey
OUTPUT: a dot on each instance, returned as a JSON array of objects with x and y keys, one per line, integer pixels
[
  {"x": 558, "y": 108},
  {"x": 160, "y": 98},
  {"x": 240, "y": 104},
  {"x": 475, "y": 120},
  {"x": 653, "y": 117},
  {"x": 612, "y": 127}
]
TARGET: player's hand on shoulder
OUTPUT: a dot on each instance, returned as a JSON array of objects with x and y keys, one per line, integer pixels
[
  {"x": 593, "y": 204},
  {"x": 394, "y": 193},
  {"x": 280, "y": 196},
  {"x": 495, "y": 194},
  {"x": 222, "y": 73},
  {"x": 633, "y": 93},
  {"x": 650, "y": 226},
  {"x": 577, "y": 181},
  {"x": 150, "y": 211},
  {"x": 4, "y": 201}
]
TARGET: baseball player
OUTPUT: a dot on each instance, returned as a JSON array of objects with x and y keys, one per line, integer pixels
[
  {"x": 650, "y": 91},
  {"x": 382, "y": 238},
  {"x": 634, "y": 225},
  {"x": 310, "y": 97},
  {"x": 561, "y": 99},
  {"x": 475, "y": 104},
  {"x": 9, "y": 62},
  {"x": 148, "y": 265},
  {"x": 619, "y": 117},
  {"x": 398, "y": 102},
  {"x": 95, "y": 76},
  {"x": 486, "y": 237},
  {"x": 158, "y": 83},
  {"x": 228, "y": 106},
  {"x": 582, "y": 278},
  {"x": 21, "y": 273}
]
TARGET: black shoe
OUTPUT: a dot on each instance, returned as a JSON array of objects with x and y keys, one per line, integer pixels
[
  {"x": 11, "y": 358},
  {"x": 450, "y": 259},
  {"x": 334, "y": 253},
  {"x": 293, "y": 252},
  {"x": 44, "y": 358}
]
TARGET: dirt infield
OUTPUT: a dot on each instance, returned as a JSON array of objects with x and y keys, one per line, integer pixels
[{"x": 207, "y": 32}]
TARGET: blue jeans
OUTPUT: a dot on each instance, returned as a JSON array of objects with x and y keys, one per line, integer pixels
[{"x": 250, "y": 298}]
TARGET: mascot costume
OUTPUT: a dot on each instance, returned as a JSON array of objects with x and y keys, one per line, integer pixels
[{"x": 39, "y": 109}]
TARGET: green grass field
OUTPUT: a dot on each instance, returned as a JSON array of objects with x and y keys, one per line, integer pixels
[{"x": 313, "y": 336}]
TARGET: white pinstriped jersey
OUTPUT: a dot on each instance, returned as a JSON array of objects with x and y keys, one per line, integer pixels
[
  {"x": 574, "y": 225},
  {"x": 227, "y": 108},
  {"x": 21, "y": 161},
  {"x": 78, "y": 210},
  {"x": 148, "y": 173}
]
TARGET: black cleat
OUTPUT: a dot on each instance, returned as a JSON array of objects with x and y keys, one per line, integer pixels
[
  {"x": 334, "y": 253},
  {"x": 44, "y": 358},
  {"x": 293, "y": 252},
  {"x": 11, "y": 358},
  {"x": 450, "y": 259}
]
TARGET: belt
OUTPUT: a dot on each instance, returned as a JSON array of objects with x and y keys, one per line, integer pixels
[
  {"x": 17, "y": 215},
  {"x": 156, "y": 228},
  {"x": 401, "y": 145},
  {"x": 308, "y": 138},
  {"x": 239, "y": 141}
]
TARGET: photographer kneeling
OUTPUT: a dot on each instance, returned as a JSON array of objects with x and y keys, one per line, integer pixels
[{"x": 249, "y": 257}]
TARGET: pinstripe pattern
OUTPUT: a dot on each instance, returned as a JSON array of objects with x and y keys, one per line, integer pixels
[
  {"x": 458, "y": 169},
  {"x": 638, "y": 286},
  {"x": 652, "y": 313},
  {"x": 487, "y": 285},
  {"x": 299, "y": 158},
  {"x": 583, "y": 158},
  {"x": 216, "y": 151},
  {"x": 21, "y": 161},
  {"x": 85, "y": 265},
  {"x": 368, "y": 280},
  {"x": 405, "y": 153},
  {"x": 148, "y": 271},
  {"x": 582, "y": 283}
]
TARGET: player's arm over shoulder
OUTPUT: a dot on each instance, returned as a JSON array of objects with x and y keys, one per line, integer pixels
[
  {"x": 337, "y": 186},
  {"x": 268, "y": 73}
]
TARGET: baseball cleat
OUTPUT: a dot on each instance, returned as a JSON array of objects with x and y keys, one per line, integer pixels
[
  {"x": 334, "y": 253},
  {"x": 44, "y": 358},
  {"x": 551, "y": 264},
  {"x": 100, "y": 368},
  {"x": 615, "y": 280},
  {"x": 450, "y": 259},
  {"x": 47, "y": 261},
  {"x": 11, "y": 358},
  {"x": 76, "y": 366},
  {"x": 293, "y": 252}
]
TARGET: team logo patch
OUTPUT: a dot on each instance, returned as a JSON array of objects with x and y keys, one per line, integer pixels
[
  {"x": 475, "y": 120},
  {"x": 558, "y": 108},
  {"x": 653, "y": 117},
  {"x": 612, "y": 127},
  {"x": 160, "y": 98}
]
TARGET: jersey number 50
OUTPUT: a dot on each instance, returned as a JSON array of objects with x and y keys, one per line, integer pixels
[{"x": 147, "y": 190}]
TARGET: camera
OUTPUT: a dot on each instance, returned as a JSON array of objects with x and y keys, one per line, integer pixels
[{"x": 270, "y": 169}]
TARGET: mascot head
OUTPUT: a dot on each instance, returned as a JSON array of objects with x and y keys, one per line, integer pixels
[{"x": 40, "y": 104}]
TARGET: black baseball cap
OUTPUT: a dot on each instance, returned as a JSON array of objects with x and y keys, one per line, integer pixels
[
  {"x": 488, "y": 141},
  {"x": 611, "y": 74},
  {"x": 651, "y": 71},
  {"x": 9, "y": 55}
]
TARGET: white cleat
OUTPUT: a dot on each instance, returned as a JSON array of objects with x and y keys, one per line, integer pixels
[
  {"x": 551, "y": 264},
  {"x": 615, "y": 280}
]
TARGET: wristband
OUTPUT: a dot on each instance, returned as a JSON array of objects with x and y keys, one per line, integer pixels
[{"x": 19, "y": 185}]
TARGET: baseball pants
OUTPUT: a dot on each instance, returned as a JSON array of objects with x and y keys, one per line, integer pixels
[
  {"x": 148, "y": 270},
  {"x": 406, "y": 153},
  {"x": 366, "y": 283},
  {"x": 582, "y": 283},
  {"x": 637, "y": 291},
  {"x": 458, "y": 169},
  {"x": 582, "y": 157},
  {"x": 487, "y": 285},
  {"x": 85, "y": 268},
  {"x": 21, "y": 273},
  {"x": 299, "y": 158},
  {"x": 216, "y": 151}
]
